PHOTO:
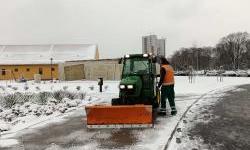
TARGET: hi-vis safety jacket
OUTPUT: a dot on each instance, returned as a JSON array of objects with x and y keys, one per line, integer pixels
[{"x": 169, "y": 76}]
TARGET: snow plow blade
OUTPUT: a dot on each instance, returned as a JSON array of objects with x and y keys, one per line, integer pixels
[{"x": 123, "y": 116}]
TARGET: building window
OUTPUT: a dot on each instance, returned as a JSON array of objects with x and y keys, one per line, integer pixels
[
  {"x": 52, "y": 69},
  {"x": 16, "y": 70},
  {"x": 3, "y": 72},
  {"x": 27, "y": 69},
  {"x": 40, "y": 71}
]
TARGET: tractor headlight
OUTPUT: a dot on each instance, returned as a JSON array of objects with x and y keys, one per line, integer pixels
[
  {"x": 130, "y": 86},
  {"x": 145, "y": 55},
  {"x": 122, "y": 86},
  {"x": 127, "y": 56}
]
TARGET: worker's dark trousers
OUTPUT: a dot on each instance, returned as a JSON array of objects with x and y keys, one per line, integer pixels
[{"x": 167, "y": 92}]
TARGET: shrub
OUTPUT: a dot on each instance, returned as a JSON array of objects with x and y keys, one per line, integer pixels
[
  {"x": 42, "y": 97},
  {"x": 59, "y": 95},
  {"x": 15, "y": 88},
  {"x": 78, "y": 88},
  {"x": 65, "y": 88},
  {"x": 79, "y": 95},
  {"x": 91, "y": 87},
  {"x": 38, "y": 88},
  {"x": 26, "y": 88},
  {"x": 2, "y": 87},
  {"x": 27, "y": 97},
  {"x": 10, "y": 100}
]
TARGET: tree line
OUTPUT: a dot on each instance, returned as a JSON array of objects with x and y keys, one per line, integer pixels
[{"x": 232, "y": 52}]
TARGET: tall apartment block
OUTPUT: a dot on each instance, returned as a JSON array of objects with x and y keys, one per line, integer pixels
[{"x": 151, "y": 44}]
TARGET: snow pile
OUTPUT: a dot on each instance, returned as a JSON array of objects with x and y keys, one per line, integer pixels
[
  {"x": 4, "y": 126},
  {"x": 8, "y": 142}
]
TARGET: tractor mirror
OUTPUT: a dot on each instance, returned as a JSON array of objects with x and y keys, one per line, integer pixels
[
  {"x": 154, "y": 60},
  {"x": 120, "y": 61}
]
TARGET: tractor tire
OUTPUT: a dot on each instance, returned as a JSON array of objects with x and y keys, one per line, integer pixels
[
  {"x": 155, "y": 103},
  {"x": 116, "y": 101}
]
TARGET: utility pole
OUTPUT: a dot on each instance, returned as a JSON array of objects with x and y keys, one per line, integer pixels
[
  {"x": 51, "y": 76},
  {"x": 197, "y": 60}
]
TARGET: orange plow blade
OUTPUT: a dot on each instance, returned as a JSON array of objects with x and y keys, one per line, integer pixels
[{"x": 124, "y": 116}]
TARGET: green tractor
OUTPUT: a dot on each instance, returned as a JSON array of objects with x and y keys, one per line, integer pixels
[
  {"x": 138, "y": 81},
  {"x": 138, "y": 97}
]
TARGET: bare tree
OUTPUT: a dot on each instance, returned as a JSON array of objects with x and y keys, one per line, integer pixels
[
  {"x": 232, "y": 52},
  {"x": 232, "y": 48}
]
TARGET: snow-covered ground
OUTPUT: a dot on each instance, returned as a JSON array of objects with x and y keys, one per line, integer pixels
[{"x": 155, "y": 138}]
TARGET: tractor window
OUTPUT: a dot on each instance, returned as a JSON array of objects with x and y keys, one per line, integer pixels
[{"x": 136, "y": 66}]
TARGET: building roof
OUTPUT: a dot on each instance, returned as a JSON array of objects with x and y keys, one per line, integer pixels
[{"x": 42, "y": 54}]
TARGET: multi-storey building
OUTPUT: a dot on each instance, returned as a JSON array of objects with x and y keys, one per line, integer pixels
[{"x": 151, "y": 44}]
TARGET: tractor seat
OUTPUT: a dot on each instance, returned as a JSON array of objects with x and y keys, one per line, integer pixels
[{"x": 145, "y": 80}]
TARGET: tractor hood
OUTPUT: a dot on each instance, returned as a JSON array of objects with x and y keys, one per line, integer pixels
[
  {"x": 134, "y": 80},
  {"x": 131, "y": 80}
]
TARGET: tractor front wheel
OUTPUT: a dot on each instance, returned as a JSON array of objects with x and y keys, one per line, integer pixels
[{"x": 116, "y": 101}]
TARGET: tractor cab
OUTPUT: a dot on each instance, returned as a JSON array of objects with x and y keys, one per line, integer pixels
[{"x": 138, "y": 80}]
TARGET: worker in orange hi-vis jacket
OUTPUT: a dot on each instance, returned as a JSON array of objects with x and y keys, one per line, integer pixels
[{"x": 167, "y": 86}]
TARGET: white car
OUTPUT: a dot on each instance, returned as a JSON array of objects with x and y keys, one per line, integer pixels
[
  {"x": 241, "y": 73},
  {"x": 229, "y": 74},
  {"x": 201, "y": 72},
  {"x": 212, "y": 73}
]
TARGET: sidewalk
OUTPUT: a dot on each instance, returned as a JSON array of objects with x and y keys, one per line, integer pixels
[{"x": 224, "y": 125}]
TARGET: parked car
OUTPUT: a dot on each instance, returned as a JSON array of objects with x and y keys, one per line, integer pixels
[
  {"x": 200, "y": 72},
  {"x": 241, "y": 73},
  {"x": 229, "y": 74},
  {"x": 212, "y": 73},
  {"x": 181, "y": 73}
]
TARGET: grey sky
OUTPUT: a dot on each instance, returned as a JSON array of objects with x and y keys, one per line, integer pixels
[{"x": 117, "y": 25}]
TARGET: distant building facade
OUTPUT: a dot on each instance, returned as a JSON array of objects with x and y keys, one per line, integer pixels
[
  {"x": 151, "y": 44},
  {"x": 24, "y": 61}
]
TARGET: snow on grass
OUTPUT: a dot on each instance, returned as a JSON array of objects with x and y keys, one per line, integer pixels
[
  {"x": 8, "y": 142},
  {"x": 204, "y": 84},
  {"x": 52, "y": 110}
]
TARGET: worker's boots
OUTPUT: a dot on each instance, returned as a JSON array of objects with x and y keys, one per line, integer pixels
[
  {"x": 163, "y": 111},
  {"x": 173, "y": 111}
]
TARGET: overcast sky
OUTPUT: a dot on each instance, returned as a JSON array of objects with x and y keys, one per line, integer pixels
[{"x": 118, "y": 25}]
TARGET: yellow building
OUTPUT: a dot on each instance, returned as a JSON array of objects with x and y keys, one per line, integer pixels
[
  {"x": 27, "y": 71},
  {"x": 24, "y": 61}
]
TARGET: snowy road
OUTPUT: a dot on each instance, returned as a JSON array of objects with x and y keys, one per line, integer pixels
[{"x": 73, "y": 134}]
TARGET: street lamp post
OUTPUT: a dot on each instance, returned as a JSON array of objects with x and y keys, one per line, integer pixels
[
  {"x": 197, "y": 61},
  {"x": 51, "y": 76}
]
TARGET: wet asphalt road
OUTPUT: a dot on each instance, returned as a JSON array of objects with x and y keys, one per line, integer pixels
[
  {"x": 231, "y": 130},
  {"x": 73, "y": 133}
]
